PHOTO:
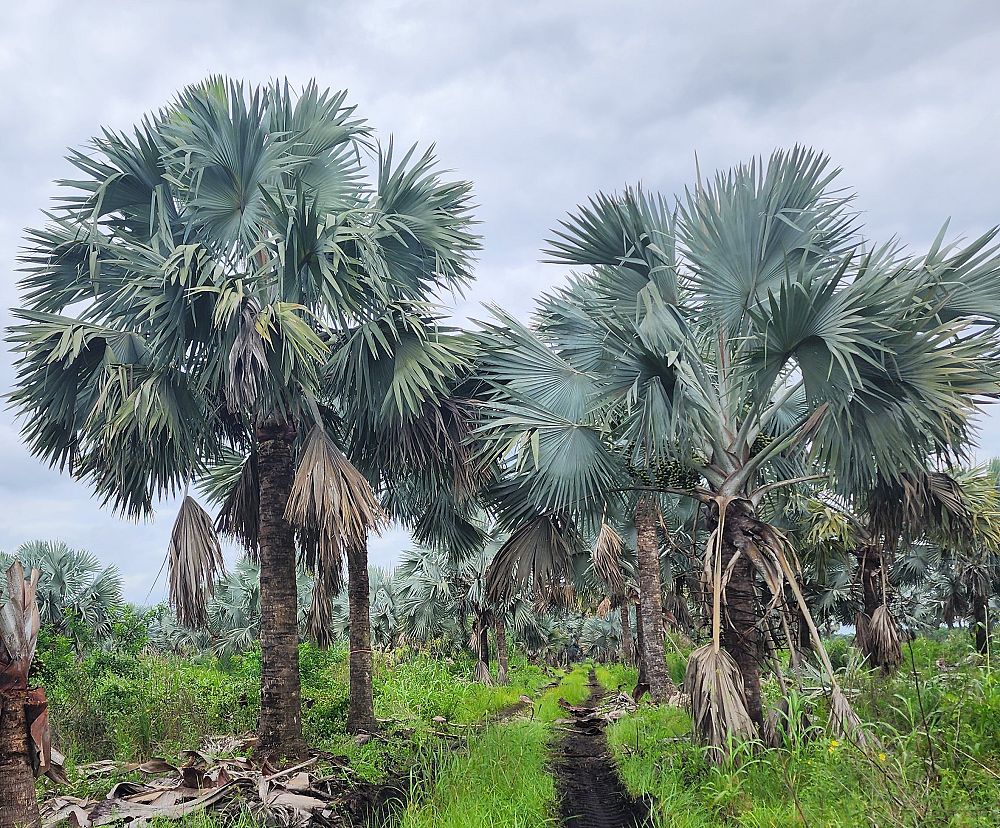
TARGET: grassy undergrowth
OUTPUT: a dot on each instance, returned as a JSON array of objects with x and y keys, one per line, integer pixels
[
  {"x": 573, "y": 687},
  {"x": 816, "y": 780},
  {"x": 122, "y": 702},
  {"x": 501, "y": 778},
  {"x": 616, "y": 677}
]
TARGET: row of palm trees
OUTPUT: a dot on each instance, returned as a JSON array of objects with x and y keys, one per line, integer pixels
[{"x": 242, "y": 297}]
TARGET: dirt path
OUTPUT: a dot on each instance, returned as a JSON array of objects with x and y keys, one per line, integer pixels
[{"x": 590, "y": 793}]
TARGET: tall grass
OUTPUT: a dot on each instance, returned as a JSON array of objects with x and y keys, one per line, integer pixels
[
  {"x": 816, "y": 780},
  {"x": 500, "y": 781}
]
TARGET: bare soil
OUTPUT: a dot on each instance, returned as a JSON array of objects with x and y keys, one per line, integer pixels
[{"x": 591, "y": 795}]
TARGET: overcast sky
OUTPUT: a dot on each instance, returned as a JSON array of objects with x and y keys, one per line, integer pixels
[{"x": 539, "y": 104}]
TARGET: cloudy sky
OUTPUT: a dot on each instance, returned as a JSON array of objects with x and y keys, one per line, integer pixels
[{"x": 540, "y": 104}]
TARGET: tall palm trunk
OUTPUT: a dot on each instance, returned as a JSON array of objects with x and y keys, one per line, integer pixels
[
  {"x": 640, "y": 651},
  {"x": 740, "y": 634},
  {"x": 18, "y": 806},
  {"x": 360, "y": 708},
  {"x": 626, "y": 634},
  {"x": 980, "y": 620},
  {"x": 661, "y": 688},
  {"x": 503, "y": 664},
  {"x": 280, "y": 730}
]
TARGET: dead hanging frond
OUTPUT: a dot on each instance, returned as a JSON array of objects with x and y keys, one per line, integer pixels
[
  {"x": 604, "y": 608},
  {"x": 843, "y": 720},
  {"x": 331, "y": 502},
  {"x": 718, "y": 706},
  {"x": 19, "y": 626},
  {"x": 910, "y": 504},
  {"x": 538, "y": 556},
  {"x": 882, "y": 639},
  {"x": 712, "y": 680},
  {"x": 608, "y": 558},
  {"x": 320, "y": 620},
  {"x": 482, "y": 674},
  {"x": 247, "y": 362},
  {"x": 194, "y": 561},
  {"x": 239, "y": 515}
]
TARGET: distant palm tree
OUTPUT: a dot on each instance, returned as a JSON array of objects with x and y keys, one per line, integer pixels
[
  {"x": 76, "y": 597},
  {"x": 230, "y": 291}
]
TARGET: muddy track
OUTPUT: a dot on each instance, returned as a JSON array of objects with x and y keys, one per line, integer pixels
[{"x": 590, "y": 793}]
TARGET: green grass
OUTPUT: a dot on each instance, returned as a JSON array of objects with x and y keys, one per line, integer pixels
[
  {"x": 500, "y": 780},
  {"x": 819, "y": 781},
  {"x": 616, "y": 677},
  {"x": 573, "y": 687},
  {"x": 128, "y": 704}
]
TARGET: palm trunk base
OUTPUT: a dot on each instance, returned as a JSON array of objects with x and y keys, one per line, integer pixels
[
  {"x": 360, "y": 709},
  {"x": 18, "y": 805},
  {"x": 280, "y": 727},
  {"x": 981, "y": 626},
  {"x": 661, "y": 687},
  {"x": 503, "y": 665},
  {"x": 740, "y": 634}
]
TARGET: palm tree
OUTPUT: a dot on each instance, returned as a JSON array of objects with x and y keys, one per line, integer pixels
[
  {"x": 76, "y": 597},
  {"x": 750, "y": 339},
  {"x": 19, "y": 626},
  {"x": 227, "y": 289}
]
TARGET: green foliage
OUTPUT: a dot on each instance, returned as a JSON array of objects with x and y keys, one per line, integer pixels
[
  {"x": 573, "y": 687},
  {"x": 500, "y": 781},
  {"x": 816, "y": 779},
  {"x": 123, "y": 703}
]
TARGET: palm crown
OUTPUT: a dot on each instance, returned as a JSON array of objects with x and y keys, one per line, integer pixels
[
  {"x": 742, "y": 341},
  {"x": 219, "y": 267}
]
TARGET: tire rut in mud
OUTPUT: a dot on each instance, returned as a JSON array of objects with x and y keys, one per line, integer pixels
[{"x": 591, "y": 795}]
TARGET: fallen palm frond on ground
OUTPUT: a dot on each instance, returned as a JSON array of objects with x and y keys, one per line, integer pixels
[{"x": 322, "y": 790}]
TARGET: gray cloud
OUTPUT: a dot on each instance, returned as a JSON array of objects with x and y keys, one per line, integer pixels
[{"x": 540, "y": 104}]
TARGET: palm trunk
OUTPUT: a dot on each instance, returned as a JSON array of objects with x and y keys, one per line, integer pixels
[
  {"x": 740, "y": 635},
  {"x": 980, "y": 622},
  {"x": 873, "y": 579},
  {"x": 18, "y": 806},
  {"x": 360, "y": 709},
  {"x": 280, "y": 730},
  {"x": 626, "y": 634},
  {"x": 661, "y": 688},
  {"x": 503, "y": 664},
  {"x": 640, "y": 651},
  {"x": 483, "y": 649},
  {"x": 871, "y": 586}
]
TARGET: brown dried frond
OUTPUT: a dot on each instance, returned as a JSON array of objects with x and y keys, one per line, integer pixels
[
  {"x": 331, "y": 502},
  {"x": 883, "y": 640},
  {"x": 194, "y": 562},
  {"x": 718, "y": 707},
  {"x": 319, "y": 621},
  {"x": 608, "y": 557},
  {"x": 844, "y": 721}
]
